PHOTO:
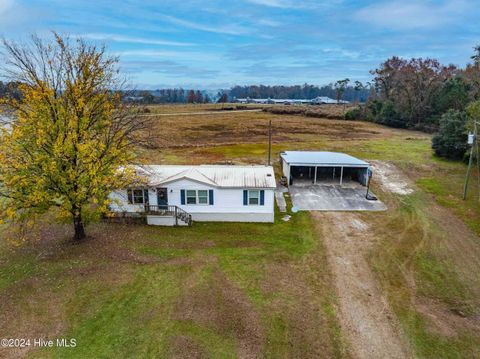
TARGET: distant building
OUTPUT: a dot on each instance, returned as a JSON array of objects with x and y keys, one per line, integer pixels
[
  {"x": 134, "y": 98},
  {"x": 326, "y": 100},
  {"x": 316, "y": 101}
]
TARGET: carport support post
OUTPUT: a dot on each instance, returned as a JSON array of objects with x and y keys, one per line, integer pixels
[
  {"x": 315, "y": 178},
  {"x": 341, "y": 175}
]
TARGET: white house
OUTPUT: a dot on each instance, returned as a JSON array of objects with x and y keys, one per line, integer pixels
[{"x": 175, "y": 194}]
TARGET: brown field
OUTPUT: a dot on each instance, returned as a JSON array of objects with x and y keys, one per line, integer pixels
[
  {"x": 243, "y": 137},
  {"x": 318, "y": 111}
]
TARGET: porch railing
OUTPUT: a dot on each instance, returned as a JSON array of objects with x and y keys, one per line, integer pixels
[{"x": 169, "y": 211}]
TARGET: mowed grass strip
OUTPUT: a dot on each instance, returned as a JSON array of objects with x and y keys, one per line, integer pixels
[{"x": 220, "y": 290}]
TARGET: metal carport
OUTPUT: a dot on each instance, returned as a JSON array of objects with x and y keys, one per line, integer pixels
[{"x": 322, "y": 166}]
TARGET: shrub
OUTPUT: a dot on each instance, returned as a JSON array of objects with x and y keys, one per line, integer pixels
[
  {"x": 354, "y": 114},
  {"x": 320, "y": 111},
  {"x": 389, "y": 116},
  {"x": 383, "y": 112},
  {"x": 451, "y": 139}
]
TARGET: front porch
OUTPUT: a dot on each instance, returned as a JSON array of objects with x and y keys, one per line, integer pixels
[
  {"x": 166, "y": 215},
  {"x": 163, "y": 215}
]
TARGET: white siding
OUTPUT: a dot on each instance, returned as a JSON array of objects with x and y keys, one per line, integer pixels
[
  {"x": 234, "y": 217},
  {"x": 226, "y": 200},
  {"x": 227, "y": 203},
  {"x": 120, "y": 201}
]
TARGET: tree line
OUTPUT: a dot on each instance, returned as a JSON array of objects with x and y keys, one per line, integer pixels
[
  {"x": 415, "y": 93},
  {"x": 423, "y": 94},
  {"x": 10, "y": 89},
  {"x": 353, "y": 93},
  {"x": 173, "y": 95},
  {"x": 342, "y": 90}
]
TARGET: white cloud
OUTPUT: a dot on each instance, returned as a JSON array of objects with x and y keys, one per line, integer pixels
[
  {"x": 220, "y": 29},
  {"x": 185, "y": 55},
  {"x": 16, "y": 18},
  {"x": 400, "y": 15},
  {"x": 294, "y": 4},
  {"x": 272, "y": 3},
  {"x": 269, "y": 22},
  {"x": 342, "y": 52},
  {"x": 5, "y": 5},
  {"x": 135, "y": 40}
]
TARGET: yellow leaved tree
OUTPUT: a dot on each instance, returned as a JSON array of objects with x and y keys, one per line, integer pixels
[{"x": 70, "y": 135}]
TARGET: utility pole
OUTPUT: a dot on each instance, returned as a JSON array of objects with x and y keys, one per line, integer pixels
[
  {"x": 478, "y": 163},
  {"x": 470, "y": 160},
  {"x": 269, "y": 142}
]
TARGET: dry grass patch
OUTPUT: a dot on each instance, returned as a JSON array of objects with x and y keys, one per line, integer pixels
[
  {"x": 217, "y": 303},
  {"x": 182, "y": 346}
]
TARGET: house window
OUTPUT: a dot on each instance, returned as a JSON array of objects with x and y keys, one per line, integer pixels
[
  {"x": 191, "y": 197},
  {"x": 253, "y": 197},
  {"x": 202, "y": 196},
  {"x": 137, "y": 196}
]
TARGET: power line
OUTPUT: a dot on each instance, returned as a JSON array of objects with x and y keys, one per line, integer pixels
[{"x": 269, "y": 142}]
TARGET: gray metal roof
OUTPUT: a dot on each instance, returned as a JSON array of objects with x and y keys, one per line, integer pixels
[
  {"x": 228, "y": 176},
  {"x": 321, "y": 158}
]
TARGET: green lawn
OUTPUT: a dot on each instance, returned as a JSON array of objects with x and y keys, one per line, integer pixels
[{"x": 213, "y": 290}]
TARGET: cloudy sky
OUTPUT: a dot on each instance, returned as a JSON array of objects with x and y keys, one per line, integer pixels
[{"x": 216, "y": 44}]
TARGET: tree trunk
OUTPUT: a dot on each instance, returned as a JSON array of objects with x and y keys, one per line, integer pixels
[{"x": 78, "y": 226}]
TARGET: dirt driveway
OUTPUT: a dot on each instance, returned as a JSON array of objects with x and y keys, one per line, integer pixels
[
  {"x": 367, "y": 322},
  {"x": 369, "y": 325}
]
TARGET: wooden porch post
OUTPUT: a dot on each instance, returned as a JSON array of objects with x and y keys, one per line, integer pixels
[
  {"x": 341, "y": 175},
  {"x": 315, "y": 178}
]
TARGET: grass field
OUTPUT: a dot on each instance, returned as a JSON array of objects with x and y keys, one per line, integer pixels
[
  {"x": 211, "y": 291},
  {"x": 251, "y": 290}
]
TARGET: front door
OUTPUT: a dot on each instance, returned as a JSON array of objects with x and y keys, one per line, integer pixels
[{"x": 162, "y": 196}]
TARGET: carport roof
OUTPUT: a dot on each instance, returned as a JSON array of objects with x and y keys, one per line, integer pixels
[{"x": 321, "y": 158}]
